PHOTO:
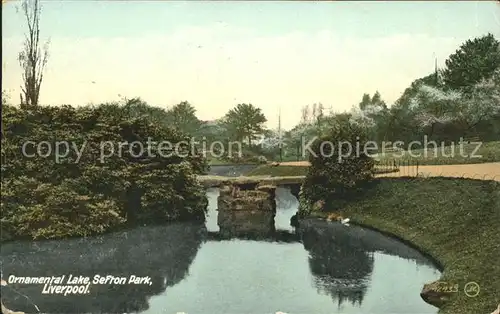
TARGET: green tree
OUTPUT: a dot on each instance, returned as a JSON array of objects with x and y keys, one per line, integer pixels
[
  {"x": 474, "y": 61},
  {"x": 245, "y": 121},
  {"x": 183, "y": 117},
  {"x": 213, "y": 130},
  {"x": 337, "y": 172},
  {"x": 135, "y": 108},
  {"x": 365, "y": 102},
  {"x": 377, "y": 101},
  {"x": 412, "y": 90},
  {"x": 401, "y": 121},
  {"x": 5, "y": 98},
  {"x": 464, "y": 111},
  {"x": 372, "y": 114}
]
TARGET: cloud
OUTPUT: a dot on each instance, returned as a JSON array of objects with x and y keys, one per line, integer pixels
[{"x": 217, "y": 66}]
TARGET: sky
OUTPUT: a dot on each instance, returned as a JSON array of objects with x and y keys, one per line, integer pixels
[{"x": 278, "y": 56}]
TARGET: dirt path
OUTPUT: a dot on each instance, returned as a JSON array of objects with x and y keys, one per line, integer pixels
[{"x": 486, "y": 171}]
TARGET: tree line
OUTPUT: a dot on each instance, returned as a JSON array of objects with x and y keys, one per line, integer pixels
[
  {"x": 461, "y": 100},
  {"x": 458, "y": 101}
]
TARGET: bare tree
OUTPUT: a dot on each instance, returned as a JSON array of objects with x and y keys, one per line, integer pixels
[
  {"x": 305, "y": 114},
  {"x": 32, "y": 58}
]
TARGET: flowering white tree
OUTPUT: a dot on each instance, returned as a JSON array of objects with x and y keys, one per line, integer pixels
[
  {"x": 483, "y": 103},
  {"x": 271, "y": 140},
  {"x": 371, "y": 115},
  {"x": 434, "y": 105},
  {"x": 366, "y": 117}
]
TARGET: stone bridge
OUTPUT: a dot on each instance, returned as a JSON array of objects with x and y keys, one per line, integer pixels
[
  {"x": 251, "y": 183},
  {"x": 247, "y": 207}
]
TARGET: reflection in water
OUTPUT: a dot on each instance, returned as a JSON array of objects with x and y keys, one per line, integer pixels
[
  {"x": 196, "y": 271},
  {"x": 340, "y": 269},
  {"x": 163, "y": 253},
  {"x": 287, "y": 205}
]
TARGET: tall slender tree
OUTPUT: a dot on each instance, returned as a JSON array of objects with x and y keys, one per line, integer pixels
[{"x": 32, "y": 58}]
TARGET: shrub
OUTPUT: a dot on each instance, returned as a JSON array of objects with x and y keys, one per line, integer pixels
[
  {"x": 45, "y": 198},
  {"x": 262, "y": 159},
  {"x": 43, "y": 210},
  {"x": 333, "y": 178}
]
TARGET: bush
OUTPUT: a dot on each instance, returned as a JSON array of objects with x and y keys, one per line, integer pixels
[
  {"x": 82, "y": 195},
  {"x": 332, "y": 181},
  {"x": 54, "y": 211},
  {"x": 262, "y": 160}
]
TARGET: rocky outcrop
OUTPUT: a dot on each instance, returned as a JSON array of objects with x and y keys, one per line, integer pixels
[
  {"x": 436, "y": 293},
  {"x": 271, "y": 194},
  {"x": 217, "y": 181},
  {"x": 497, "y": 311},
  {"x": 244, "y": 212}
]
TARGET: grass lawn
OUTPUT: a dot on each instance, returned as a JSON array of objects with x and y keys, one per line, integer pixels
[
  {"x": 216, "y": 161},
  {"x": 213, "y": 161},
  {"x": 278, "y": 171},
  {"x": 454, "y": 220},
  {"x": 285, "y": 171},
  {"x": 448, "y": 155}
]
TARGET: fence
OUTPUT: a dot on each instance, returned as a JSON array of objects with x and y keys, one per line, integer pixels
[
  {"x": 412, "y": 168},
  {"x": 397, "y": 167}
]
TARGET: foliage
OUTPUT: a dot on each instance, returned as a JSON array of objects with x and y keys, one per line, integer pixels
[
  {"x": 5, "y": 98},
  {"x": 372, "y": 115},
  {"x": 335, "y": 172},
  {"x": 262, "y": 159},
  {"x": 402, "y": 123},
  {"x": 459, "y": 101},
  {"x": 44, "y": 210},
  {"x": 313, "y": 115},
  {"x": 82, "y": 194},
  {"x": 473, "y": 62},
  {"x": 365, "y": 102},
  {"x": 244, "y": 122},
  {"x": 213, "y": 131},
  {"x": 183, "y": 117},
  {"x": 137, "y": 108},
  {"x": 465, "y": 110}
]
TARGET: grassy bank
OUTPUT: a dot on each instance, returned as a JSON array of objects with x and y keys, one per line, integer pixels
[
  {"x": 278, "y": 171},
  {"x": 213, "y": 161},
  {"x": 449, "y": 155},
  {"x": 453, "y": 220}
]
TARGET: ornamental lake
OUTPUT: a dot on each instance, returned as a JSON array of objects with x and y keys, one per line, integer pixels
[{"x": 330, "y": 268}]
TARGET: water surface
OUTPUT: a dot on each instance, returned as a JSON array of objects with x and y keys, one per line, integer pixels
[{"x": 324, "y": 268}]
